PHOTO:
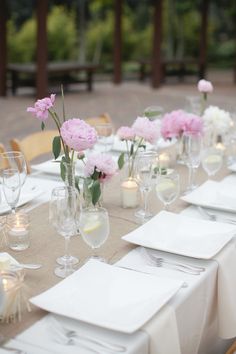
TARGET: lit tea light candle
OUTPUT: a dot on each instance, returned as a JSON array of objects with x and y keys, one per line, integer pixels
[
  {"x": 220, "y": 146},
  {"x": 129, "y": 193},
  {"x": 18, "y": 233},
  {"x": 164, "y": 160}
]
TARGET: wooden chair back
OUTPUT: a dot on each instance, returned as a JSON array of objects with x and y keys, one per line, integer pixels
[
  {"x": 34, "y": 145},
  {"x": 102, "y": 119},
  {"x": 232, "y": 349},
  {"x": 3, "y": 162}
]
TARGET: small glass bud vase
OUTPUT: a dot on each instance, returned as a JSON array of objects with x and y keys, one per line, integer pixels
[
  {"x": 18, "y": 231},
  {"x": 129, "y": 193}
]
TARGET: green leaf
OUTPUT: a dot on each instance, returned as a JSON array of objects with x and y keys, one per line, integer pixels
[
  {"x": 96, "y": 192},
  {"x": 56, "y": 146},
  {"x": 95, "y": 175},
  {"x": 121, "y": 160},
  {"x": 63, "y": 170},
  {"x": 142, "y": 146},
  {"x": 42, "y": 125}
]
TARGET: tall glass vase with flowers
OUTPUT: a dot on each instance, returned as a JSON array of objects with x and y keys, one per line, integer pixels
[
  {"x": 74, "y": 135},
  {"x": 204, "y": 87},
  {"x": 142, "y": 131}
]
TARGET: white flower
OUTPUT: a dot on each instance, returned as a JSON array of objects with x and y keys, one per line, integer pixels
[{"x": 217, "y": 120}]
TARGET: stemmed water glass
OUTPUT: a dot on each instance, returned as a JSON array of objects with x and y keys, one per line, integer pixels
[
  {"x": 145, "y": 172},
  {"x": 193, "y": 157},
  {"x": 94, "y": 228},
  {"x": 63, "y": 216},
  {"x": 14, "y": 160},
  {"x": 212, "y": 160},
  {"x": 11, "y": 187},
  {"x": 167, "y": 188},
  {"x": 105, "y": 137}
]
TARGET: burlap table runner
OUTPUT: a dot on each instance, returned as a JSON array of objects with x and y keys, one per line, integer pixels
[{"x": 46, "y": 245}]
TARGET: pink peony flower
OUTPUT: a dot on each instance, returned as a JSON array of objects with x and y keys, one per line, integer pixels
[
  {"x": 193, "y": 124},
  {"x": 146, "y": 129},
  {"x": 125, "y": 133},
  {"x": 41, "y": 107},
  {"x": 102, "y": 163},
  {"x": 205, "y": 86},
  {"x": 175, "y": 123},
  {"x": 78, "y": 135}
]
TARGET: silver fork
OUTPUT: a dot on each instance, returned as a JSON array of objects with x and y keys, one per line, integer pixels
[{"x": 214, "y": 217}]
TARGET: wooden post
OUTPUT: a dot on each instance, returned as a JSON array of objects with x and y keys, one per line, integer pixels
[
  {"x": 157, "y": 38},
  {"x": 3, "y": 48},
  {"x": 118, "y": 42},
  {"x": 203, "y": 38},
  {"x": 41, "y": 75}
]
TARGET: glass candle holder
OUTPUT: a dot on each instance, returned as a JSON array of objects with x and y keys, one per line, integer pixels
[
  {"x": 129, "y": 193},
  {"x": 10, "y": 296},
  {"x": 18, "y": 231}
]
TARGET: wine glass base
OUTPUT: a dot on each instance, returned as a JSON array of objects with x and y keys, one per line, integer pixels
[
  {"x": 63, "y": 261},
  {"x": 190, "y": 189},
  {"x": 96, "y": 258},
  {"x": 63, "y": 272},
  {"x": 143, "y": 217}
]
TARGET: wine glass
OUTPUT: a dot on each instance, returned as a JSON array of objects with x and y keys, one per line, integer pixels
[
  {"x": 63, "y": 214},
  {"x": 11, "y": 187},
  {"x": 212, "y": 160},
  {"x": 105, "y": 137},
  {"x": 94, "y": 228},
  {"x": 145, "y": 172},
  {"x": 194, "y": 104},
  {"x": 193, "y": 157},
  {"x": 14, "y": 160},
  {"x": 167, "y": 188}
]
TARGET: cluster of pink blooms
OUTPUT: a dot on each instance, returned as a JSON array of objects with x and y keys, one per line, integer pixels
[
  {"x": 41, "y": 107},
  {"x": 178, "y": 122},
  {"x": 205, "y": 86},
  {"x": 78, "y": 135},
  {"x": 141, "y": 128},
  {"x": 102, "y": 163}
]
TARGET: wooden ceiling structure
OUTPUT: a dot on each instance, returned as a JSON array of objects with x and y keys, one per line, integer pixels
[{"x": 41, "y": 55}]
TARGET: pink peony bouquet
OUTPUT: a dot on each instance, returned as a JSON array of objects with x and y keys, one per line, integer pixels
[
  {"x": 75, "y": 135},
  {"x": 142, "y": 131},
  {"x": 178, "y": 122}
]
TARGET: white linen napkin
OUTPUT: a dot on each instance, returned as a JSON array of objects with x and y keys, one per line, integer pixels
[
  {"x": 163, "y": 332},
  {"x": 226, "y": 300}
]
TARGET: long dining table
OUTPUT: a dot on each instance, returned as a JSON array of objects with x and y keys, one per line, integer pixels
[{"x": 187, "y": 324}]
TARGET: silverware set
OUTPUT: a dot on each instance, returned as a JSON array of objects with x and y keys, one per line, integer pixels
[
  {"x": 66, "y": 336},
  {"x": 215, "y": 217}
]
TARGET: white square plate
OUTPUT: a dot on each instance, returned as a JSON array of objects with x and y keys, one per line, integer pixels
[
  {"x": 108, "y": 296},
  {"x": 182, "y": 235},
  {"x": 214, "y": 195}
]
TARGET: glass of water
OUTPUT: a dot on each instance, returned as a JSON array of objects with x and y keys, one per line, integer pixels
[
  {"x": 193, "y": 157},
  {"x": 11, "y": 187},
  {"x": 167, "y": 188},
  {"x": 212, "y": 161},
  {"x": 105, "y": 137},
  {"x": 94, "y": 228}
]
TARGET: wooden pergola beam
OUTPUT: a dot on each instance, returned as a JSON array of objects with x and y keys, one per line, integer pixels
[
  {"x": 203, "y": 38},
  {"x": 3, "y": 48},
  {"x": 118, "y": 42},
  {"x": 157, "y": 39},
  {"x": 41, "y": 55}
]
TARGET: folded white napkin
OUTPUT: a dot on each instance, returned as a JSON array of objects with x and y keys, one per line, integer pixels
[{"x": 226, "y": 301}]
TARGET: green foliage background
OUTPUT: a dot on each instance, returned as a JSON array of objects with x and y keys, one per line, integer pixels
[{"x": 181, "y": 27}]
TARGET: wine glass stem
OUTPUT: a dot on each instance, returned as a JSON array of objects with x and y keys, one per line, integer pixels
[
  {"x": 145, "y": 199},
  {"x": 191, "y": 177},
  {"x": 67, "y": 241}
]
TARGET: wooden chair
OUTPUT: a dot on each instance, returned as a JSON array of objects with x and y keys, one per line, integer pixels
[
  {"x": 3, "y": 164},
  {"x": 232, "y": 349},
  {"x": 102, "y": 119},
  {"x": 34, "y": 145}
]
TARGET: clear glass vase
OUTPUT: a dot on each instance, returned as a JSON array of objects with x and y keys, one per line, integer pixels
[
  {"x": 182, "y": 150},
  {"x": 68, "y": 173}
]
